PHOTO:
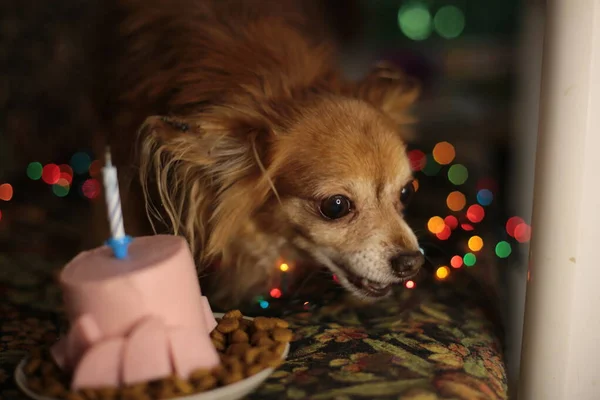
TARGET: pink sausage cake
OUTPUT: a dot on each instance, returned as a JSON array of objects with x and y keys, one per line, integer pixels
[{"x": 134, "y": 320}]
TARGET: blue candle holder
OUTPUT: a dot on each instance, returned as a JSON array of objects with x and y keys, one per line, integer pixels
[{"x": 119, "y": 246}]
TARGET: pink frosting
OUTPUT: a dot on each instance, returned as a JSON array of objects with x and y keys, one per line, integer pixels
[
  {"x": 150, "y": 303},
  {"x": 84, "y": 333},
  {"x": 187, "y": 358},
  {"x": 100, "y": 365},
  {"x": 147, "y": 355},
  {"x": 209, "y": 318}
]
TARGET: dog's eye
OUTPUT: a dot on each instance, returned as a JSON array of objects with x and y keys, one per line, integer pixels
[
  {"x": 406, "y": 193},
  {"x": 335, "y": 207}
]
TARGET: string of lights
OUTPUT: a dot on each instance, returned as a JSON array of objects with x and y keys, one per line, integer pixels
[
  {"x": 461, "y": 217},
  {"x": 60, "y": 177},
  {"x": 417, "y": 22}
]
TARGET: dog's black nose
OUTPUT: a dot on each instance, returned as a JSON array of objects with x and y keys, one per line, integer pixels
[{"x": 407, "y": 263}]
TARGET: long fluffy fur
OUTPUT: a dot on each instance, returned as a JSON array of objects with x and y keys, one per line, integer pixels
[{"x": 220, "y": 81}]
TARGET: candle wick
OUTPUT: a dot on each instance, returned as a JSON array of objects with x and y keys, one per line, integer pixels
[{"x": 108, "y": 157}]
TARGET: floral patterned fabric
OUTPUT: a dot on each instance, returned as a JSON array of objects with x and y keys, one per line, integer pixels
[
  {"x": 429, "y": 343},
  {"x": 437, "y": 341}
]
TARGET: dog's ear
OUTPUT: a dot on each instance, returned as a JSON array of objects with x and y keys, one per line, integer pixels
[
  {"x": 390, "y": 90},
  {"x": 199, "y": 167}
]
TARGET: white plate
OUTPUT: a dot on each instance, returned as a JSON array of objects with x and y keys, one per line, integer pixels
[{"x": 233, "y": 391}]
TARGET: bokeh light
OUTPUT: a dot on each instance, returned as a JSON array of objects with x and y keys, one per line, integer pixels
[
  {"x": 275, "y": 293},
  {"x": 61, "y": 188},
  {"x": 410, "y": 284},
  {"x": 432, "y": 168},
  {"x": 445, "y": 233},
  {"x": 95, "y": 168},
  {"x": 66, "y": 168},
  {"x": 442, "y": 272},
  {"x": 475, "y": 243},
  {"x": 503, "y": 249},
  {"x": 6, "y": 191},
  {"x": 469, "y": 259},
  {"x": 263, "y": 304},
  {"x": 458, "y": 174},
  {"x": 34, "y": 170},
  {"x": 456, "y": 201},
  {"x": 417, "y": 160},
  {"x": 456, "y": 262},
  {"x": 512, "y": 223},
  {"x": 66, "y": 173},
  {"x": 443, "y": 153},
  {"x": 523, "y": 233},
  {"x": 91, "y": 188},
  {"x": 451, "y": 221},
  {"x": 435, "y": 224},
  {"x": 467, "y": 227},
  {"x": 63, "y": 182},
  {"x": 50, "y": 174},
  {"x": 415, "y": 21},
  {"x": 284, "y": 267},
  {"x": 449, "y": 22},
  {"x": 475, "y": 213},
  {"x": 80, "y": 162},
  {"x": 66, "y": 177},
  {"x": 485, "y": 197}
]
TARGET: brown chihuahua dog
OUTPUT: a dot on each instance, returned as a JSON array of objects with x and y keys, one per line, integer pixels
[{"x": 253, "y": 146}]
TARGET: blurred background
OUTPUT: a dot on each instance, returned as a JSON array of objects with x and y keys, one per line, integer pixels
[
  {"x": 479, "y": 63},
  {"x": 473, "y": 154}
]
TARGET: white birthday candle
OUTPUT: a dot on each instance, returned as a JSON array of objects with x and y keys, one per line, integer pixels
[{"x": 113, "y": 198}]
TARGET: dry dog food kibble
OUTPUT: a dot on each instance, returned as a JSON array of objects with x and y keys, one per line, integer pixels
[
  {"x": 235, "y": 314},
  {"x": 239, "y": 336},
  {"x": 282, "y": 335},
  {"x": 206, "y": 383},
  {"x": 279, "y": 323},
  {"x": 279, "y": 348},
  {"x": 264, "y": 341},
  {"x": 237, "y": 349},
  {"x": 258, "y": 335},
  {"x": 252, "y": 355},
  {"x": 264, "y": 323},
  {"x": 246, "y": 347},
  {"x": 216, "y": 335},
  {"x": 227, "y": 325}
]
